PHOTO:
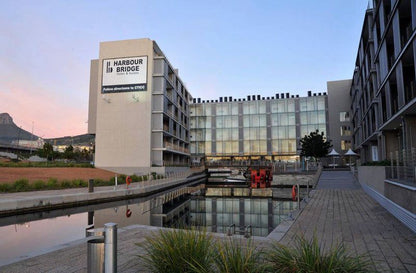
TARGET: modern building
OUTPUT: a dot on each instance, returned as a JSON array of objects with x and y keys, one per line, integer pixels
[
  {"x": 255, "y": 128},
  {"x": 339, "y": 113},
  {"x": 138, "y": 109},
  {"x": 383, "y": 90}
]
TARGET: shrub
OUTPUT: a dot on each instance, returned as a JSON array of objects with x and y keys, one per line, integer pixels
[
  {"x": 52, "y": 183},
  {"x": 5, "y": 187},
  {"x": 39, "y": 185},
  {"x": 232, "y": 257},
  {"x": 21, "y": 185},
  {"x": 178, "y": 251},
  {"x": 99, "y": 182},
  {"x": 66, "y": 184},
  {"x": 79, "y": 183},
  {"x": 134, "y": 178},
  {"x": 307, "y": 256}
]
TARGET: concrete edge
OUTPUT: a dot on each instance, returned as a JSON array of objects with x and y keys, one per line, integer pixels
[{"x": 406, "y": 217}]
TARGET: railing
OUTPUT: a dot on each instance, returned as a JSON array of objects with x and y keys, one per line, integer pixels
[
  {"x": 277, "y": 166},
  {"x": 176, "y": 147},
  {"x": 402, "y": 166}
]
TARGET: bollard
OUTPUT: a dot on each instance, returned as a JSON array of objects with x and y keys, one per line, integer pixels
[
  {"x": 95, "y": 250},
  {"x": 110, "y": 247},
  {"x": 91, "y": 185},
  {"x": 247, "y": 231},
  {"x": 115, "y": 182}
]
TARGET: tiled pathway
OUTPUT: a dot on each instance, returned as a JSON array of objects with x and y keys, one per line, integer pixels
[{"x": 340, "y": 211}]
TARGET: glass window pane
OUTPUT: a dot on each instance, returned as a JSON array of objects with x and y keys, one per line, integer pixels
[
  {"x": 246, "y": 147},
  {"x": 219, "y": 149},
  {"x": 291, "y": 105},
  {"x": 291, "y": 119},
  {"x": 234, "y": 109},
  {"x": 274, "y": 119},
  {"x": 246, "y": 108},
  {"x": 263, "y": 120},
  {"x": 207, "y": 109},
  {"x": 263, "y": 133},
  {"x": 321, "y": 103},
  {"x": 262, "y": 107},
  {"x": 273, "y": 106},
  {"x": 246, "y": 121},
  {"x": 234, "y": 122},
  {"x": 263, "y": 146},
  {"x": 292, "y": 132}
]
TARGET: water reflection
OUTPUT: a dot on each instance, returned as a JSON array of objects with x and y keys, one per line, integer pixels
[{"x": 36, "y": 233}]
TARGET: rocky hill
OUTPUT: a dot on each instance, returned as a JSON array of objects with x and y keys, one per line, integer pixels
[
  {"x": 72, "y": 140},
  {"x": 10, "y": 132}
]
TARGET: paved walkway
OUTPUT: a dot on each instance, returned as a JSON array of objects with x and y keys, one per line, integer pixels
[{"x": 340, "y": 211}]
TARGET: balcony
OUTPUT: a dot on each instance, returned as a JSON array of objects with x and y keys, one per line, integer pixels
[{"x": 175, "y": 147}]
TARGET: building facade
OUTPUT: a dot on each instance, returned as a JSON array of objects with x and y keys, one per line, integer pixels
[
  {"x": 339, "y": 117},
  {"x": 383, "y": 90},
  {"x": 138, "y": 109},
  {"x": 255, "y": 128}
]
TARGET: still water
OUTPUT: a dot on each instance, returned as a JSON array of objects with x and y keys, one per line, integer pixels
[{"x": 33, "y": 234}]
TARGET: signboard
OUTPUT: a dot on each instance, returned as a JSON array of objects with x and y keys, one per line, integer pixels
[{"x": 124, "y": 75}]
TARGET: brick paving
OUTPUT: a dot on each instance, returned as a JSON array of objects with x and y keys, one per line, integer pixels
[{"x": 340, "y": 211}]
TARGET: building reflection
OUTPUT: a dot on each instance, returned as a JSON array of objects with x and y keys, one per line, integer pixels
[{"x": 188, "y": 208}]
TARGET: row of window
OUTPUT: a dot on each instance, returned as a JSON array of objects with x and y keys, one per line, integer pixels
[
  {"x": 279, "y": 146},
  {"x": 259, "y": 107},
  {"x": 283, "y": 119}
]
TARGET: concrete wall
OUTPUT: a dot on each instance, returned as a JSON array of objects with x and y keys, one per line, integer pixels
[
  {"x": 123, "y": 120},
  {"x": 402, "y": 196},
  {"x": 372, "y": 176},
  {"x": 94, "y": 91}
]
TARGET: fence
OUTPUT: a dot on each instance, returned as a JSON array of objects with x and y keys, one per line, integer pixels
[{"x": 402, "y": 166}]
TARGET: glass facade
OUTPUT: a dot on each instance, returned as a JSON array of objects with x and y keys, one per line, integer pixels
[{"x": 267, "y": 127}]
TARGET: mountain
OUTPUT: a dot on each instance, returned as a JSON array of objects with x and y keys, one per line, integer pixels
[
  {"x": 82, "y": 140},
  {"x": 9, "y": 131}
]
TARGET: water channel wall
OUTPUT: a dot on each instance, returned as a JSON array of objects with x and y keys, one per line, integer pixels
[
  {"x": 47, "y": 202},
  {"x": 290, "y": 179}
]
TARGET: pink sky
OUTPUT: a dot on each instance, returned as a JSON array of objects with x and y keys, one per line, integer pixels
[
  {"x": 44, "y": 80},
  {"x": 279, "y": 46}
]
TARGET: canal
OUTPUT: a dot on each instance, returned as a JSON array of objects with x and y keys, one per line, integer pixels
[{"x": 27, "y": 235}]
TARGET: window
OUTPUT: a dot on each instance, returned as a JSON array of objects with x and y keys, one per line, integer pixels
[
  {"x": 345, "y": 145},
  {"x": 345, "y": 131},
  {"x": 344, "y": 116}
]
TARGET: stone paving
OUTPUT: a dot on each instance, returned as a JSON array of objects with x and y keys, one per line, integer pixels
[{"x": 340, "y": 211}]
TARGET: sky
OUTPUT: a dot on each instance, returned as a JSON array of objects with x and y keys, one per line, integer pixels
[{"x": 221, "y": 48}]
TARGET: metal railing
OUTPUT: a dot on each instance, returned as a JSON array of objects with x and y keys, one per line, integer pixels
[
  {"x": 277, "y": 166},
  {"x": 247, "y": 231},
  {"x": 402, "y": 166}
]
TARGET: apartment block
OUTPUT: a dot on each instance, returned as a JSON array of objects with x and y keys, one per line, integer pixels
[
  {"x": 138, "y": 109},
  {"x": 383, "y": 90}
]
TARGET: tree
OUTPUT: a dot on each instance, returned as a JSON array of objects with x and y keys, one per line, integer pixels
[
  {"x": 315, "y": 145},
  {"x": 46, "y": 151},
  {"x": 69, "y": 152}
]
